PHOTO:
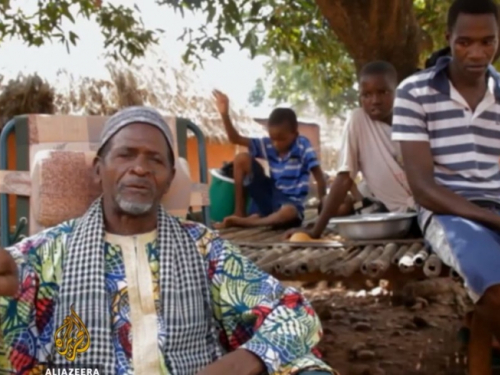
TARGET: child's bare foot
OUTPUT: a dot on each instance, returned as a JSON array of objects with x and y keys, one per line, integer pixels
[
  {"x": 235, "y": 221},
  {"x": 227, "y": 222},
  {"x": 219, "y": 225}
]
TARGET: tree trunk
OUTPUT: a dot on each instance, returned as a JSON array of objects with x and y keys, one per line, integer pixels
[{"x": 376, "y": 30}]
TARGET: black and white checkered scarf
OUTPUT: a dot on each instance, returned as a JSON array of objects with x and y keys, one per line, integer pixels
[{"x": 191, "y": 341}]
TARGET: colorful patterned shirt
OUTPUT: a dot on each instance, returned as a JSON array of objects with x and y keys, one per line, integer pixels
[{"x": 253, "y": 310}]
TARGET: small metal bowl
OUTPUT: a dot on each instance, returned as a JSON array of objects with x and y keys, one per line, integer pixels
[{"x": 374, "y": 226}]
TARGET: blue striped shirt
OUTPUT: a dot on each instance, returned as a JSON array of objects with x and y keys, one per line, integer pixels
[
  {"x": 291, "y": 172},
  {"x": 465, "y": 144}
]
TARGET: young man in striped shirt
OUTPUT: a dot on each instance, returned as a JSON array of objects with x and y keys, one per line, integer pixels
[
  {"x": 447, "y": 119},
  {"x": 278, "y": 199}
]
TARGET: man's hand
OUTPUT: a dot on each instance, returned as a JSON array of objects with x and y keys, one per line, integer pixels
[
  {"x": 222, "y": 102},
  {"x": 9, "y": 282},
  {"x": 239, "y": 362}
]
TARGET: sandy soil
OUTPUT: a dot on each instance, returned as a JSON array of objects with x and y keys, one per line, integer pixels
[{"x": 377, "y": 332}]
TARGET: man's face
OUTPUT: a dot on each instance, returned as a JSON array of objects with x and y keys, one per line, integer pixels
[
  {"x": 282, "y": 137},
  {"x": 377, "y": 95},
  {"x": 136, "y": 171},
  {"x": 474, "y": 43}
]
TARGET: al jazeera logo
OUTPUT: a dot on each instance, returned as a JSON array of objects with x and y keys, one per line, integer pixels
[{"x": 71, "y": 339}]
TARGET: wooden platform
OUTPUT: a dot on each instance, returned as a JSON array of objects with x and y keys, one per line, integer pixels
[
  {"x": 335, "y": 259},
  {"x": 262, "y": 235}
]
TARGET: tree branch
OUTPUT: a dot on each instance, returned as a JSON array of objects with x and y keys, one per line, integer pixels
[{"x": 376, "y": 30}]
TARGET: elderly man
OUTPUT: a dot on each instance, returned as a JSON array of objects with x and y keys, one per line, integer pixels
[{"x": 130, "y": 289}]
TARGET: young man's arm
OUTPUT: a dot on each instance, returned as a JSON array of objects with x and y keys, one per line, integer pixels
[
  {"x": 410, "y": 129},
  {"x": 419, "y": 167},
  {"x": 338, "y": 192},
  {"x": 357, "y": 196},
  {"x": 222, "y": 103}
]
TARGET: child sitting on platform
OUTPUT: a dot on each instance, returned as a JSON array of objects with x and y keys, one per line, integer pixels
[{"x": 279, "y": 199}]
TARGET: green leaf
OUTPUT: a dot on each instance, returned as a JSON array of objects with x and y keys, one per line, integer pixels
[
  {"x": 309, "y": 62},
  {"x": 65, "y": 11},
  {"x": 254, "y": 10},
  {"x": 73, "y": 38},
  {"x": 233, "y": 11},
  {"x": 211, "y": 10}
]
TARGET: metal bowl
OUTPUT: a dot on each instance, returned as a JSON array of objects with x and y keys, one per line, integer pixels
[{"x": 374, "y": 226}]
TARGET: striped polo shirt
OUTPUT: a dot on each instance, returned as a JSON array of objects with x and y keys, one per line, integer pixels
[
  {"x": 290, "y": 173},
  {"x": 465, "y": 144}
]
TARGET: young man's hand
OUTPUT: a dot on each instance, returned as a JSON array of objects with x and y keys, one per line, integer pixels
[
  {"x": 9, "y": 282},
  {"x": 222, "y": 102}
]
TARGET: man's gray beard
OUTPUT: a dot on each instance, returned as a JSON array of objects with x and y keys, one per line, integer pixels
[{"x": 133, "y": 208}]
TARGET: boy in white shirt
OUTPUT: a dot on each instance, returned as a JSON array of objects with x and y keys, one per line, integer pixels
[{"x": 367, "y": 148}]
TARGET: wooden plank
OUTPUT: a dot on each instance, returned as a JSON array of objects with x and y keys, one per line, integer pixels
[
  {"x": 264, "y": 237},
  {"x": 322, "y": 243},
  {"x": 225, "y": 231},
  {"x": 15, "y": 182},
  {"x": 244, "y": 233},
  {"x": 277, "y": 236}
]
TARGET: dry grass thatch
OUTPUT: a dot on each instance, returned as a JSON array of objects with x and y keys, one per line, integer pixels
[
  {"x": 25, "y": 94},
  {"x": 173, "y": 91}
]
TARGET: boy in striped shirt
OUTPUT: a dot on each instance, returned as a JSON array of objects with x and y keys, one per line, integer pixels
[
  {"x": 279, "y": 199},
  {"x": 447, "y": 119}
]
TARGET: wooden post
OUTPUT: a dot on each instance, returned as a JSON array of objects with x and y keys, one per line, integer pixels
[{"x": 480, "y": 345}]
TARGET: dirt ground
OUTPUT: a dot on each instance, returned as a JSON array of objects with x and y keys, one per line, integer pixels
[{"x": 378, "y": 332}]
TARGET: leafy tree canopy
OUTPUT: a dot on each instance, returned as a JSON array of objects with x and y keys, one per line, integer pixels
[
  {"x": 316, "y": 46},
  {"x": 308, "y": 61},
  {"x": 124, "y": 33}
]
